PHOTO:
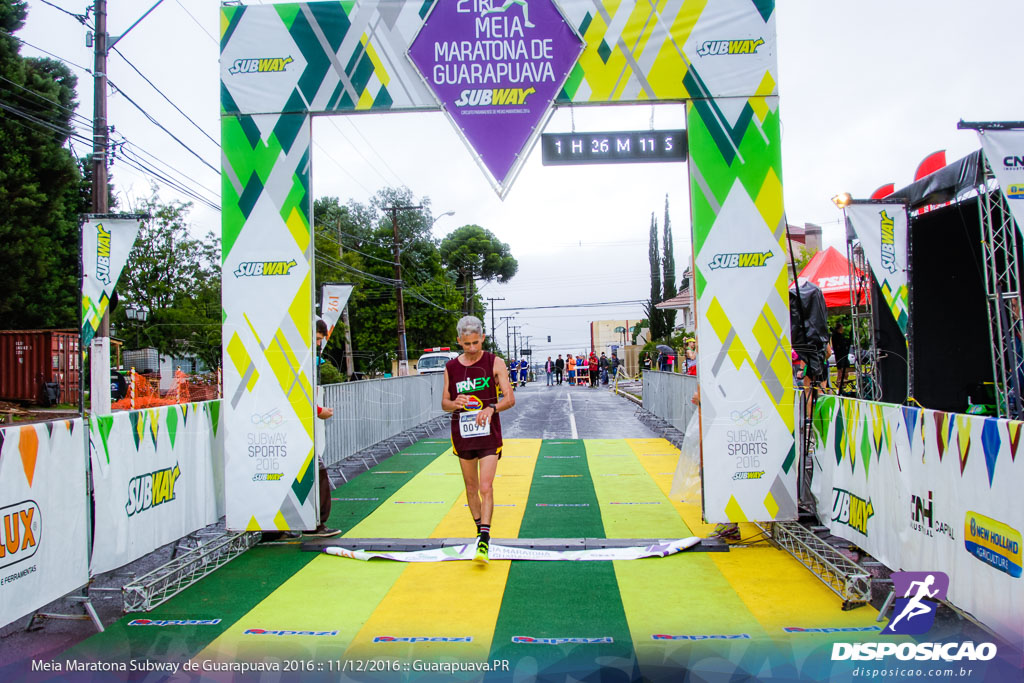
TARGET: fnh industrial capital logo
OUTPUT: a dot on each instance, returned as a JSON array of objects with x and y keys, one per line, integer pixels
[{"x": 913, "y": 614}]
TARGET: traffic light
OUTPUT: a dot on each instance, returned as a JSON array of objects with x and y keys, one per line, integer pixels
[{"x": 549, "y": 338}]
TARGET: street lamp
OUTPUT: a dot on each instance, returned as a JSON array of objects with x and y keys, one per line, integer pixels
[
  {"x": 446, "y": 213},
  {"x": 137, "y": 315}
]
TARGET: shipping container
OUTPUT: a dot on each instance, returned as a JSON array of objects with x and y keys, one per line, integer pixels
[{"x": 31, "y": 358}]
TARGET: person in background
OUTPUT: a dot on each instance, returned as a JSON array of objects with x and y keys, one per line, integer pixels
[
  {"x": 841, "y": 350},
  {"x": 549, "y": 370},
  {"x": 595, "y": 365},
  {"x": 602, "y": 364},
  {"x": 513, "y": 372},
  {"x": 691, "y": 356},
  {"x": 572, "y": 369},
  {"x": 614, "y": 365},
  {"x": 647, "y": 361},
  {"x": 559, "y": 369},
  {"x": 325, "y": 481}
]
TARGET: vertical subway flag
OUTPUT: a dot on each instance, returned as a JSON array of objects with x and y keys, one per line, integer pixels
[
  {"x": 333, "y": 298},
  {"x": 1004, "y": 150},
  {"x": 106, "y": 244},
  {"x": 882, "y": 231},
  {"x": 496, "y": 68}
]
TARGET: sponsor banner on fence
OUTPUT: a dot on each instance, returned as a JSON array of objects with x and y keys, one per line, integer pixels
[
  {"x": 106, "y": 243},
  {"x": 43, "y": 515},
  {"x": 1004, "y": 150},
  {"x": 745, "y": 369},
  {"x": 157, "y": 476},
  {"x": 927, "y": 491},
  {"x": 333, "y": 299},
  {"x": 501, "y": 552},
  {"x": 882, "y": 231}
]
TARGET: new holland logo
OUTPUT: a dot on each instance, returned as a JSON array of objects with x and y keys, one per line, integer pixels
[
  {"x": 493, "y": 96},
  {"x": 1015, "y": 191},
  {"x": 102, "y": 254},
  {"x": 996, "y": 544},
  {"x": 753, "y": 259},
  {"x": 264, "y": 268},
  {"x": 711, "y": 48},
  {"x": 888, "y": 227},
  {"x": 20, "y": 531},
  {"x": 146, "y": 491},
  {"x": 851, "y": 510},
  {"x": 260, "y": 65}
]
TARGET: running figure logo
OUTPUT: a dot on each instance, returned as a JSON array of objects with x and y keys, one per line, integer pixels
[
  {"x": 914, "y": 612},
  {"x": 509, "y": 3}
]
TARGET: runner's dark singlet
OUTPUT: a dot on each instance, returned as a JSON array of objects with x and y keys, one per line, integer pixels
[{"x": 475, "y": 380}]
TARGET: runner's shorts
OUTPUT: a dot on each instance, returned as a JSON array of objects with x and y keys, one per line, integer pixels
[{"x": 478, "y": 453}]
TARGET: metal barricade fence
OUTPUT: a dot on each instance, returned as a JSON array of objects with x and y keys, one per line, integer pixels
[
  {"x": 667, "y": 395},
  {"x": 371, "y": 410}
]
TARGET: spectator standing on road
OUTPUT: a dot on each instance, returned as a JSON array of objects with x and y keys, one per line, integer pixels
[
  {"x": 549, "y": 368},
  {"x": 559, "y": 369},
  {"x": 513, "y": 372},
  {"x": 603, "y": 365},
  {"x": 614, "y": 365},
  {"x": 572, "y": 369},
  {"x": 647, "y": 361},
  {"x": 325, "y": 481},
  {"x": 594, "y": 365}
]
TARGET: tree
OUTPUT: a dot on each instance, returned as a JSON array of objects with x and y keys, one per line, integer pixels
[
  {"x": 39, "y": 186},
  {"x": 668, "y": 279},
  {"x": 431, "y": 299},
  {"x": 176, "y": 277},
  {"x": 474, "y": 253},
  {"x": 654, "y": 314}
]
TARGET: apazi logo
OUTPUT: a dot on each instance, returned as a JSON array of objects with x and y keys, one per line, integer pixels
[
  {"x": 493, "y": 96},
  {"x": 102, "y": 254},
  {"x": 20, "y": 531},
  {"x": 260, "y": 65},
  {"x": 173, "y": 622},
  {"x": 914, "y": 612},
  {"x": 851, "y": 510},
  {"x": 712, "y": 48},
  {"x": 266, "y": 632},
  {"x": 888, "y": 228},
  {"x": 726, "y": 636},
  {"x": 422, "y": 639},
  {"x": 753, "y": 259},
  {"x": 147, "y": 491},
  {"x": 530, "y": 640},
  {"x": 264, "y": 268}
]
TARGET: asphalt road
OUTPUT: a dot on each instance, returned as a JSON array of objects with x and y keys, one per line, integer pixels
[{"x": 568, "y": 412}]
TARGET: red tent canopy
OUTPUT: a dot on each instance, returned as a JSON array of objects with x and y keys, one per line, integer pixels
[{"x": 830, "y": 271}]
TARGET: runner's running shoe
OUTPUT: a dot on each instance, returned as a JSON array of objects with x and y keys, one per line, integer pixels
[
  {"x": 324, "y": 532},
  {"x": 481, "y": 556}
]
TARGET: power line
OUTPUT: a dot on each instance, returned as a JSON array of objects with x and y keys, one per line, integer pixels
[
  {"x": 81, "y": 18},
  {"x": 168, "y": 99},
  {"x": 594, "y": 305},
  {"x": 203, "y": 28},
  {"x": 46, "y": 52}
]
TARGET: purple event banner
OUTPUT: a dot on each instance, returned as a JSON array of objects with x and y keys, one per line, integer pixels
[{"x": 496, "y": 66}]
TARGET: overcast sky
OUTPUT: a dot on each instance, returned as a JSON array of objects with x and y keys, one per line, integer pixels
[{"x": 867, "y": 90}]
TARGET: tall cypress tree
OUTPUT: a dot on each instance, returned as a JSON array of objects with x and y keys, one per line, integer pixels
[
  {"x": 668, "y": 280},
  {"x": 39, "y": 186},
  {"x": 655, "y": 315}
]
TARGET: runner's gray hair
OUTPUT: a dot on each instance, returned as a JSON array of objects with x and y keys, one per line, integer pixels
[{"x": 469, "y": 324}]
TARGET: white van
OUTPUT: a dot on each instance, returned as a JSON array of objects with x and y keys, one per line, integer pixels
[{"x": 434, "y": 360}]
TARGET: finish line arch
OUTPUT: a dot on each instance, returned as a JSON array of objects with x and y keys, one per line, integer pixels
[{"x": 283, "y": 64}]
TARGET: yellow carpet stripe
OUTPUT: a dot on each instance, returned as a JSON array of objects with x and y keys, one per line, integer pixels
[
  {"x": 439, "y": 593},
  {"x": 776, "y": 589},
  {"x": 704, "y": 602}
]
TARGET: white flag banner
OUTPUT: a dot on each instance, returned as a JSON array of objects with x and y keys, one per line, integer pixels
[
  {"x": 106, "y": 243},
  {"x": 882, "y": 231},
  {"x": 1004, "y": 150},
  {"x": 502, "y": 552},
  {"x": 333, "y": 299}
]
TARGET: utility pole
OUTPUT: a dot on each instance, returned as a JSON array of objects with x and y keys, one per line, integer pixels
[
  {"x": 515, "y": 344},
  {"x": 508, "y": 328},
  {"x": 492, "y": 299},
  {"x": 99, "y": 354},
  {"x": 349, "y": 363},
  {"x": 403, "y": 354}
]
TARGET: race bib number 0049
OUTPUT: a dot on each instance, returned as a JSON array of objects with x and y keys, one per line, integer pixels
[{"x": 468, "y": 428}]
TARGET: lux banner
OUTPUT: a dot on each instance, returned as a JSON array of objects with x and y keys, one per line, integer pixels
[
  {"x": 333, "y": 299},
  {"x": 1004, "y": 150},
  {"x": 882, "y": 231},
  {"x": 44, "y": 516},
  {"x": 106, "y": 243}
]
